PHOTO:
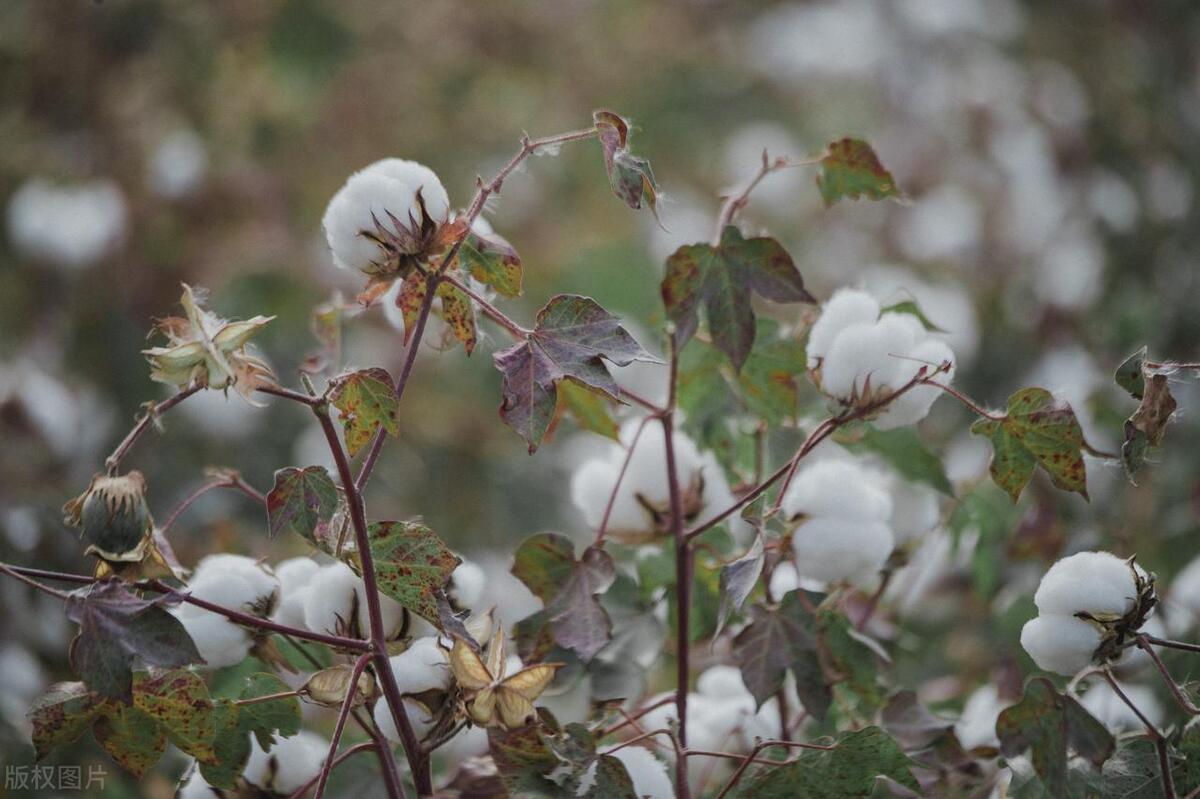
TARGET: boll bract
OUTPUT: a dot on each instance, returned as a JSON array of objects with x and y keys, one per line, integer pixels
[
  {"x": 641, "y": 509},
  {"x": 421, "y": 668},
  {"x": 861, "y": 356},
  {"x": 290, "y": 764},
  {"x": 1089, "y": 604},
  {"x": 235, "y": 582},
  {"x": 384, "y": 217},
  {"x": 336, "y": 603},
  {"x": 843, "y": 510}
]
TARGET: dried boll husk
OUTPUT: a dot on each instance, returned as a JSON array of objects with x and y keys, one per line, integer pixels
[{"x": 113, "y": 517}]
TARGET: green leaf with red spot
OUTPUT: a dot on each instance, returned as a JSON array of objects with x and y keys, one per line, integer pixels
[
  {"x": 492, "y": 260},
  {"x": 302, "y": 499},
  {"x": 1048, "y": 724},
  {"x": 851, "y": 169},
  {"x": 629, "y": 175},
  {"x": 411, "y": 565},
  {"x": 118, "y": 629},
  {"x": 720, "y": 279},
  {"x": 234, "y": 724},
  {"x": 571, "y": 340},
  {"x": 1037, "y": 430},
  {"x": 367, "y": 400},
  {"x": 845, "y": 770},
  {"x": 457, "y": 311},
  {"x": 131, "y": 738},
  {"x": 590, "y": 410},
  {"x": 179, "y": 703},
  {"x": 61, "y": 715}
]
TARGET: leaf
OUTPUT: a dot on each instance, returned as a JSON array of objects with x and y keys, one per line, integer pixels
[
  {"x": 904, "y": 451},
  {"x": 911, "y": 308},
  {"x": 130, "y": 737},
  {"x": 1047, "y": 723},
  {"x": 368, "y": 401},
  {"x": 589, "y": 409},
  {"x": 61, "y": 715},
  {"x": 1037, "y": 430},
  {"x": 851, "y": 169},
  {"x": 524, "y": 761},
  {"x": 611, "y": 780},
  {"x": 411, "y": 565},
  {"x": 738, "y": 579},
  {"x": 721, "y": 279},
  {"x": 848, "y": 770},
  {"x": 779, "y": 639},
  {"x": 1130, "y": 374},
  {"x": 572, "y": 338},
  {"x": 234, "y": 724},
  {"x": 574, "y": 616},
  {"x": 1146, "y": 427},
  {"x": 301, "y": 499},
  {"x": 851, "y": 655},
  {"x": 178, "y": 701},
  {"x": 117, "y": 629},
  {"x": 493, "y": 261},
  {"x": 459, "y": 315},
  {"x": 628, "y": 175}
]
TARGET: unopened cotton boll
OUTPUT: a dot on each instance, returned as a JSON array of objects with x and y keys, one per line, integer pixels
[
  {"x": 647, "y": 773},
  {"x": 333, "y": 595},
  {"x": 1098, "y": 583},
  {"x": 1111, "y": 711},
  {"x": 977, "y": 725},
  {"x": 1060, "y": 644},
  {"x": 290, "y": 764},
  {"x": 393, "y": 187}
]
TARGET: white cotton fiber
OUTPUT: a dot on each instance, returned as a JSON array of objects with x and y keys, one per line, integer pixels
[{"x": 1060, "y": 644}]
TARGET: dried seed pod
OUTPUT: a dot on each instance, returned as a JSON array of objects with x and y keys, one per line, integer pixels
[{"x": 113, "y": 517}]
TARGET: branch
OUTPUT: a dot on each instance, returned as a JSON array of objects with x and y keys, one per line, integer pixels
[
  {"x": 734, "y": 204},
  {"x": 153, "y": 410},
  {"x": 383, "y": 749},
  {"x": 343, "y": 714},
  {"x": 1145, "y": 641},
  {"x": 353, "y": 750},
  {"x": 1160, "y": 743},
  {"x": 612, "y": 497},
  {"x": 489, "y": 310},
  {"x": 289, "y": 394},
  {"x": 758, "y": 747},
  {"x": 227, "y": 480}
]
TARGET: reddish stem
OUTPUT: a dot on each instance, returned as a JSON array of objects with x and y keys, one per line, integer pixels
[
  {"x": 612, "y": 497},
  {"x": 345, "y": 755},
  {"x": 347, "y": 705},
  {"x": 113, "y": 462}
]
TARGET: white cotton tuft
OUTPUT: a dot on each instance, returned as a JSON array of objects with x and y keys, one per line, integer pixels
[
  {"x": 421, "y": 667},
  {"x": 295, "y": 575},
  {"x": 390, "y": 185},
  {"x": 977, "y": 725},
  {"x": 467, "y": 583},
  {"x": 845, "y": 308},
  {"x": 866, "y": 358},
  {"x": 832, "y": 549},
  {"x": 840, "y": 489},
  {"x": 1183, "y": 599},
  {"x": 721, "y": 681},
  {"x": 71, "y": 227},
  {"x": 196, "y": 788},
  {"x": 915, "y": 510},
  {"x": 647, "y": 773},
  {"x": 1060, "y": 644},
  {"x": 218, "y": 640},
  {"x": 1111, "y": 711},
  {"x": 290, "y": 764},
  {"x": 333, "y": 595},
  {"x": 1098, "y": 583},
  {"x": 913, "y": 405},
  {"x": 236, "y": 582}
]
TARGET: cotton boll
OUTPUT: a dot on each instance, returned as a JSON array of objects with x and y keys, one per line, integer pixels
[
  {"x": 840, "y": 489},
  {"x": 71, "y": 227},
  {"x": 1182, "y": 601},
  {"x": 1134, "y": 659},
  {"x": 721, "y": 681},
  {"x": 915, "y": 510},
  {"x": 1098, "y": 583},
  {"x": 913, "y": 405},
  {"x": 294, "y": 576},
  {"x": 466, "y": 584},
  {"x": 421, "y": 667},
  {"x": 1111, "y": 711},
  {"x": 387, "y": 186},
  {"x": 977, "y": 725},
  {"x": 868, "y": 358},
  {"x": 218, "y": 640},
  {"x": 334, "y": 593},
  {"x": 234, "y": 581},
  {"x": 470, "y": 741},
  {"x": 845, "y": 308},
  {"x": 571, "y": 705},
  {"x": 419, "y": 719},
  {"x": 194, "y": 787},
  {"x": 831, "y": 549},
  {"x": 590, "y": 486},
  {"x": 290, "y": 764},
  {"x": 1060, "y": 644}
]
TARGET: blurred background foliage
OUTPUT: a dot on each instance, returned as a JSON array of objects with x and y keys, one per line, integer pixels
[{"x": 1048, "y": 150}]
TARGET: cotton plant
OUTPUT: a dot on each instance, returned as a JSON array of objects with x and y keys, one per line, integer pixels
[{"x": 761, "y": 513}]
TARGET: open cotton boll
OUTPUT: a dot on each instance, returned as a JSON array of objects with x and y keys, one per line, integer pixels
[
  {"x": 388, "y": 186},
  {"x": 234, "y": 581},
  {"x": 913, "y": 405},
  {"x": 467, "y": 583},
  {"x": 573, "y": 705},
  {"x": 334, "y": 593},
  {"x": 977, "y": 724},
  {"x": 291, "y": 763},
  {"x": 863, "y": 360},
  {"x": 722, "y": 682},
  {"x": 1060, "y": 644},
  {"x": 915, "y": 510},
  {"x": 1111, "y": 711},
  {"x": 470, "y": 741},
  {"x": 840, "y": 489},
  {"x": 419, "y": 719},
  {"x": 218, "y": 640},
  {"x": 422, "y": 667},
  {"x": 1098, "y": 583},
  {"x": 647, "y": 773},
  {"x": 845, "y": 308},
  {"x": 1182, "y": 602},
  {"x": 295, "y": 575},
  {"x": 831, "y": 549},
  {"x": 591, "y": 485}
]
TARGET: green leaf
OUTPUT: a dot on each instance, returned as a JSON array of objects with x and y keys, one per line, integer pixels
[
  {"x": 117, "y": 629},
  {"x": 367, "y": 400},
  {"x": 571, "y": 340},
  {"x": 130, "y": 737},
  {"x": 1037, "y": 430},
  {"x": 721, "y": 278},
  {"x": 911, "y": 308},
  {"x": 234, "y": 724},
  {"x": 779, "y": 639},
  {"x": 178, "y": 701},
  {"x": 850, "y": 655},
  {"x": 1130, "y": 375},
  {"x": 738, "y": 579},
  {"x": 459, "y": 315},
  {"x": 1148, "y": 424},
  {"x": 590, "y": 410},
  {"x": 851, "y": 169},
  {"x": 628, "y": 175},
  {"x": 411, "y": 565},
  {"x": 301, "y": 499},
  {"x": 61, "y": 715},
  {"x": 1047, "y": 723},
  {"x": 770, "y": 382},
  {"x": 846, "y": 771},
  {"x": 524, "y": 762},
  {"x": 611, "y": 780},
  {"x": 903, "y": 449},
  {"x": 544, "y": 562},
  {"x": 493, "y": 261}
]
